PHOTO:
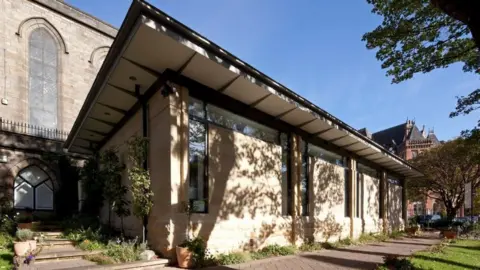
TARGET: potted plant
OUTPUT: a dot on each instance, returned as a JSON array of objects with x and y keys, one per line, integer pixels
[
  {"x": 24, "y": 243},
  {"x": 185, "y": 251}
]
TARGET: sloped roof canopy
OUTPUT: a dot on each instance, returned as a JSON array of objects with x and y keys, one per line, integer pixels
[{"x": 155, "y": 48}]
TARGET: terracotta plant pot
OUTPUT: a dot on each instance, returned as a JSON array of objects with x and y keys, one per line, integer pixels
[
  {"x": 25, "y": 225},
  {"x": 184, "y": 257},
  {"x": 22, "y": 248},
  {"x": 450, "y": 234}
]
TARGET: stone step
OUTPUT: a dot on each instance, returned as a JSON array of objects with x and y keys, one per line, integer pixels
[
  {"x": 144, "y": 265},
  {"x": 55, "y": 243},
  {"x": 61, "y": 254},
  {"x": 52, "y": 234}
]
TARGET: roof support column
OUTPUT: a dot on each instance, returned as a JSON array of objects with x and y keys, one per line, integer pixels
[
  {"x": 143, "y": 101},
  {"x": 296, "y": 167},
  {"x": 350, "y": 197},
  {"x": 404, "y": 202},
  {"x": 384, "y": 200}
]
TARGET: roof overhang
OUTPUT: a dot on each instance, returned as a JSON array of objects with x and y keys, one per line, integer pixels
[{"x": 154, "y": 48}]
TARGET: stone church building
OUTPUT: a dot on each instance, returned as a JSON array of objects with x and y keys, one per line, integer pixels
[{"x": 50, "y": 53}]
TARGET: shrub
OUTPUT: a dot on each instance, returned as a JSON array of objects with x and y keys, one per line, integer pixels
[
  {"x": 100, "y": 259},
  {"x": 81, "y": 234},
  {"x": 232, "y": 258},
  {"x": 198, "y": 247},
  {"x": 7, "y": 225},
  {"x": 330, "y": 245},
  {"x": 381, "y": 237},
  {"x": 397, "y": 262},
  {"x": 24, "y": 235},
  {"x": 311, "y": 246},
  {"x": 91, "y": 245},
  {"x": 5, "y": 240},
  {"x": 396, "y": 234},
  {"x": 122, "y": 252},
  {"x": 366, "y": 237},
  {"x": 345, "y": 242},
  {"x": 274, "y": 250}
]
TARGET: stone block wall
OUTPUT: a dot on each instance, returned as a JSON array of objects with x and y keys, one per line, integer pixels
[{"x": 82, "y": 43}]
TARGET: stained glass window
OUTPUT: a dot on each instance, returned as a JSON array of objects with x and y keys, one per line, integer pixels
[{"x": 43, "y": 73}]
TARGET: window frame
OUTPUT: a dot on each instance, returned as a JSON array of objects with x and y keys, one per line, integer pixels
[
  {"x": 203, "y": 122},
  {"x": 305, "y": 200},
  {"x": 34, "y": 189},
  {"x": 287, "y": 151}
]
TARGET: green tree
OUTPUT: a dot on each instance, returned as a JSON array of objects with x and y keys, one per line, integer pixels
[
  {"x": 418, "y": 36},
  {"x": 447, "y": 168},
  {"x": 142, "y": 195},
  {"x": 92, "y": 185},
  {"x": 111, "y": 173}
]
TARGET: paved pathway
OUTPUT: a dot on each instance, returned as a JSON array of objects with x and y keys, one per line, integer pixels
[{"x": 358, "y": 257}]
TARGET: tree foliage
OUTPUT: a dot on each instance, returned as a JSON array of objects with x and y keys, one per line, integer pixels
[
  {"x": 142, "y": 195},
  {"x": 447, "y": 168},
  {"x": 92, "y": 185},
  {"x": 113, "y": 190},
  {"x": 417, "y": 37}
]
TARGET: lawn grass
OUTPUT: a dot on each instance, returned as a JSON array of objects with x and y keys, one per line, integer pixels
[
  {"x": 461, "y": 254},
  {"x": 6, "y": 259}
]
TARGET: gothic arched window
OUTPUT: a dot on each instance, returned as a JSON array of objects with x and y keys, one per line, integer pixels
[
  {"x": 43, "y": 73},
  {"x": 33, "y": 189}
]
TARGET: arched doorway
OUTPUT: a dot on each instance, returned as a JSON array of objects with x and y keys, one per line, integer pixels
[{"x": 33, "y": 189}]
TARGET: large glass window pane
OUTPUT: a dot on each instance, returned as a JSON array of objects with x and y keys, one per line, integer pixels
[
  {"x": 33, "y": 175},
  {"x": 328, "y": 156},
  {"x": 197, "y": 181},
  {"x": 286, "y": 175},
  {"x": 304, "y": 186},
  {"x": 23, "y": 196},
  {"x": 43, "y": 197},
  {"x": 195, "y": 108},
  {"x": 367, "y": 170},
  {"x": 243, "y": 125},
  {"x": 347, "y": 192},
  {"x": 359, "y": 195},
  {"x": 43, "y": 72}
]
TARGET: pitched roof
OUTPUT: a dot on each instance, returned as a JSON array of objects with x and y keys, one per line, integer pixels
[
  {"x": 390, "y": 136},
  {"x": 415, "y": 134},
  {"x": 433, "y": 138}
]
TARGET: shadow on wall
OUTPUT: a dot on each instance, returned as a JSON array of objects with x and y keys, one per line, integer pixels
[
  {"x": 372, "y": 204},
  {"x": 327, "y": 199},
  {"x": 245, "y": 193},
  {"x": 395, "y": 207}
]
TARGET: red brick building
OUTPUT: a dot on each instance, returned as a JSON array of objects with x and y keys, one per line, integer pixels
[{"x": 407, "y": 141}]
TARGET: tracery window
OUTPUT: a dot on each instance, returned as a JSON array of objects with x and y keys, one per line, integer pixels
[{"x": 43, "y": 76}]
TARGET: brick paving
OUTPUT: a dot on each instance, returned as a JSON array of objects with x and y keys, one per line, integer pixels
[{"x": 355, "y": 257}]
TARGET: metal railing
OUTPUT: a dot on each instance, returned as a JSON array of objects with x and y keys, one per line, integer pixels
[{"x": 32, "y": 130}]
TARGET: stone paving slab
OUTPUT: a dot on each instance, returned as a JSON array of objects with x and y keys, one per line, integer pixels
[
  {"x": 355, "y": 257},
  {"x": 67, "y": 264}
]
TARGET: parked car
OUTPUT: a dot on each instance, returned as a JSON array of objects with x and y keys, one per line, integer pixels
[{"x": 428, "y": 220}]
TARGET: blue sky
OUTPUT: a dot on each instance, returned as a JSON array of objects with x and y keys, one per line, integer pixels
[{"x": 315, "y": 49}]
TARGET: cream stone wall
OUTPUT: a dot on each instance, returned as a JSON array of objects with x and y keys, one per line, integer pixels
[
  {"x": 159, "y": 124},
  {"x": 77, "y": 46},
  {"x": 395, "y": 219},
  {"x": 245, "y": 193},
  {"x": 327, "y": 201},
  {"x": 371, "y": 204},
  {"x": 132, "y": 225}
]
